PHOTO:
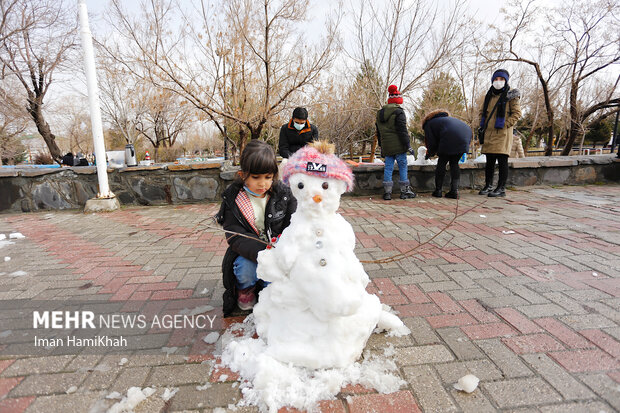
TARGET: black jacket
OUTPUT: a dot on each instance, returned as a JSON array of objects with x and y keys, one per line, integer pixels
[
  {"x": 445, "y": 135},
  {"x": 291, "y": 140},
  {"x": 278, "y": 211}
]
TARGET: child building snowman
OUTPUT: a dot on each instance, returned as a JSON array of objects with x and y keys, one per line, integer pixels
[{"x": 316, "y": 312}]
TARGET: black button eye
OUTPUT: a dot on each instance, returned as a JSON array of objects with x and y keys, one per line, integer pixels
[
  {"x": 300, "y": 185},
  {"x": 325, "y": 185}
]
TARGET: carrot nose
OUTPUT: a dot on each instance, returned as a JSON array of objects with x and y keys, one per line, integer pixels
[{"x": 317, "y": 198}]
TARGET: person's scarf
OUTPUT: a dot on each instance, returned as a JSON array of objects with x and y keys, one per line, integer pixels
[{"x": 500, "y": 115}]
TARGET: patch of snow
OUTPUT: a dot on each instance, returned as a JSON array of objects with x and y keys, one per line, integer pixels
[
  {"x": 18, "y": 274},
  {"x": 204, "y": 386},
  {"x": 71, "y": 389},
  {"x": 6, "y": 259},
  {"x": 169, "y": 350},
  {"x": 16, "y": 235},
  {"x": 169, "y": 393},
  {"x": 211, "y": 338},
  {"x": 123, "y": 361},
  {"x": 135, "y": 395}
]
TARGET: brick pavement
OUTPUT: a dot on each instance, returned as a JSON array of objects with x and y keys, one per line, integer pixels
[{"x": 523, "y": 292}]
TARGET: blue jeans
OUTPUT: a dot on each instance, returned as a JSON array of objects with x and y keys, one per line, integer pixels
[
  {"x": 245, "y": 271},
  {"x": 388, "y": 170}
]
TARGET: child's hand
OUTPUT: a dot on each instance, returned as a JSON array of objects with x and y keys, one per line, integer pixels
[{"x": 272, "y": 243}]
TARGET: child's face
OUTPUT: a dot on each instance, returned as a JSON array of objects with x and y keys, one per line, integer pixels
[{"x": 259, "y": 183}]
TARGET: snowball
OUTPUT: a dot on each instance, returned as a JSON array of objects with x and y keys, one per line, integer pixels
[
  {"x": 123, "y": 361},
  {"x": 467, "y": 383},
  {"x": 206, "y": 290},
  {"x": 6, "y": 259},
  {"x": 16, "y": 235},
  {"x": 483, "y": 216},
  {"x": 211, "y": 337}
]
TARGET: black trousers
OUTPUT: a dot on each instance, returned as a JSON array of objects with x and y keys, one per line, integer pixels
[
  {"x": 502, "y": 161},
  {"x": 455, "y": 171}
]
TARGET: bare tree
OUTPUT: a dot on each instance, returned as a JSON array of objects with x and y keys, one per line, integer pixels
[
  {"x": 405, "y": 41},
  {"x": 240, "y": 64},
  {"x": 38, "y": 36},
  {"x": 13, "y": 122},
  {"x": 589, "y": 35}
]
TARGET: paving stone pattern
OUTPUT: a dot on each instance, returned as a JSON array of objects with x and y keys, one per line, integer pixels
[{"x": 523, "y": 292}]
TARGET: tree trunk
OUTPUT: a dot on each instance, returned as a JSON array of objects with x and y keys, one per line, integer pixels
[
  {"x": 35, "y": 111},
  {"x": 574, "y": 123},
  {"x": 373, "y": 148}
]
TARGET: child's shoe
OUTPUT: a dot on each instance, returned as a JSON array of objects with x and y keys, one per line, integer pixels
[{"x": 246, "y": 298}]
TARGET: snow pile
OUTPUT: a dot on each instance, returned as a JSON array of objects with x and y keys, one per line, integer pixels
[
  {"x": 271, "y": 384},
  {"x": 314, "y": 318}
]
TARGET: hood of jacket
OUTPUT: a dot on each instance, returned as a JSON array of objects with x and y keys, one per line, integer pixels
[
  {"x": 387, "y": 111},
  {"x": 433, "y": 114}
]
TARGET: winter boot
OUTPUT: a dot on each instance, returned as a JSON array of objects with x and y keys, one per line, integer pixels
[
  {"x": 454, "y": 189},
  {"x": 405, "y": 191},
  {"x": 499, "y": 191},
  {"x": 486, "y": 190},
  {"x": 387, "y": 188},
  {"x": 437, "y": 193}
]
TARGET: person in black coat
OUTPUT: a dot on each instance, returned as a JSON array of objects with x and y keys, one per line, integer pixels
[
  {"x": 297, "y": 133},
  {"x": 258, "y": 207},
  {"x": 449, "y": 138}
]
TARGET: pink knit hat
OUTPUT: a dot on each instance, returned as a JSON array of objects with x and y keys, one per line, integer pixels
[{"x": 310, "y": 161}]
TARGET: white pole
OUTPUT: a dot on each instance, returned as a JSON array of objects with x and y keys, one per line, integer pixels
[{"x": 93, "y": 100}]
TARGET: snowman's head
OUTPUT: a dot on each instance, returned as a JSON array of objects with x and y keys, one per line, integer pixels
[
  {"x": 316, "y": 195},
  {"x": 317, "y": 177}
]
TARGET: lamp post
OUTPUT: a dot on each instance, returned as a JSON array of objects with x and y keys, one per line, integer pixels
[{"x": 105, "y": 200}]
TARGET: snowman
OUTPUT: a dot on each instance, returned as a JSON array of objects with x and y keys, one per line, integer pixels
[{"x": 316, "y": 312}]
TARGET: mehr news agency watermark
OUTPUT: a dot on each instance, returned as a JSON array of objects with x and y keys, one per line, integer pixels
[{"x": 59, "y": 320}]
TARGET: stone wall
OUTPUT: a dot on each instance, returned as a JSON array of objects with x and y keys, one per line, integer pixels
[{"x": 69, "y": 188}]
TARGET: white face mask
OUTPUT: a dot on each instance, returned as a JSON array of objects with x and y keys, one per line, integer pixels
[
  {"x": 499, "y": 84},
  {"x": 299, "y": 126}
]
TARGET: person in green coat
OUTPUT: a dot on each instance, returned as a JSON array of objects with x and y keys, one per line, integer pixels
[
  {"x": 393, "y": 137},
  {"x": 499, "y": 114}
]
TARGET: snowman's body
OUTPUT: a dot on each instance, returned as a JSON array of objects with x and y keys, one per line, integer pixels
[{"x": 316, "y": 311}]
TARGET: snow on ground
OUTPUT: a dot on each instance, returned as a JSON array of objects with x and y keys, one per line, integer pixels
[{"x": 270, "y": 384}]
